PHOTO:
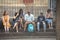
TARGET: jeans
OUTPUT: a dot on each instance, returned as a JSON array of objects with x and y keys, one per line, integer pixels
[
  {"x": 49, "y": 21},
  {"x": 38, "y": 25}
]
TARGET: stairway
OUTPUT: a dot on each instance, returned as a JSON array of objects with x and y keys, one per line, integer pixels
[{"x": 21, "y": 35}]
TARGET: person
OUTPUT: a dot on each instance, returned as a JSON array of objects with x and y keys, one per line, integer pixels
[
  {"x": 29, "y": 18},
  {"x": 18, "y": 19},
  {"x": 21, "y": 15},
  {"x": 41, "y": 19},
  {"x": 49, "y": 18},
  {"x": 15, "y": 20},
  {"x": 5, "y": 19}
]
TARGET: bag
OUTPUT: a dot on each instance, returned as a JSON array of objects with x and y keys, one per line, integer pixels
[{"x": 30, "y": 28}]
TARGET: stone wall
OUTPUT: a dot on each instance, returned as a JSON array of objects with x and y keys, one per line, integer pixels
[
  {"x": 33, "y": 9},
  {"x": 58, "y": 20}
]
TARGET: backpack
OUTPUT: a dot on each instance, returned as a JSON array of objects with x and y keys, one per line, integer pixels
[{"x": 30, "y": 28}]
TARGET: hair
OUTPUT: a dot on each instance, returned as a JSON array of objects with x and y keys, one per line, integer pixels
[
  {"x": 28, "y": 11},
  {"x": 4, "y": 13},
  {"x": 49, "y": 10},
  {"x": 20, "y": 11},
  {"x": 41, "y": 13},
  {"x": 15, "y": 13}
]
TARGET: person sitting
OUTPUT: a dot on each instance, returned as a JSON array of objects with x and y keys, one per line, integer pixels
[
  {"x": 41, "y": 19},
  {"x": 49, "y": 18},
  {"x": 18, "y": 18},
  {"x": 21, "y": 15},
  {"x": 29, "y": 18},
  {"x": 5, "y": 20},
  {"x": 15, "y": 21}
]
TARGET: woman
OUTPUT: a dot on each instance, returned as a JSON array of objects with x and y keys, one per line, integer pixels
[
  {"x": 5, "y": 19},
  {"x": 49, "y": 18},
  {"x": 18, "y": 18},
  {"x": 15, "y": 20},
  {"x": 21, "y": 15}
]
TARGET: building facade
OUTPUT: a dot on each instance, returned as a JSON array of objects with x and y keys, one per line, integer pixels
[{"x": 14, "y": 5}]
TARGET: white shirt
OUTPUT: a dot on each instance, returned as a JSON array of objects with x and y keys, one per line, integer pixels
[{"x": 29, "y": 18}]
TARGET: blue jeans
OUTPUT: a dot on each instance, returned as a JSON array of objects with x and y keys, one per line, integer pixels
[
  {"x": 38, "y": 26},
  {"x": 49, "y": 21}
]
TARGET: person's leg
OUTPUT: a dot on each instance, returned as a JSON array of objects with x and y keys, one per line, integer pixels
[
  {"x": 21, "y": 23},
  {"x": 34, "y": 25},
  {"x": 44, "y": 26},
  {"x": 5, "y": 28},
  {"x": 48, "y": 21},
  {"x": 51, "y": 25},
  {"x": 25, "y": 25},
  {"x": 15, "y": 25},
  {"x": 38, "y": 26},
  {"x": 51, "y": 22}
]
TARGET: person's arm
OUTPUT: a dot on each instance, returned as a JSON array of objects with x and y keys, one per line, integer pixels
[
  {"x": 51, "y": 15},
  {"x": 38, "y": 19},
  {"x": 15, "y": 16},
  {"x": 33, "y": 18},
  {"x": 8, "y": 18},
  {"x": 3, "y": 20},
  {"x": 43, "y": 18},
  {"x": 25, "y": 17},
  {"x": 46, "y": 15}
]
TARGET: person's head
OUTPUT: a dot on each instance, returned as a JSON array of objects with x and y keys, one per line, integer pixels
[
  {"x": 20, "y": 11},
  {"x": 28, "y": 13},
  {"x": 41, "y": 14},
  {"x": 5, "y": 13},
  {"x": 49, "y": 10}
]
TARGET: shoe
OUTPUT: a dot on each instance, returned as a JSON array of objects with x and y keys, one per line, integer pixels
[
  {"x": 44, "y": 30},
  {"x": 17, "y": 31},
  {"x": 51, "y": 28}
]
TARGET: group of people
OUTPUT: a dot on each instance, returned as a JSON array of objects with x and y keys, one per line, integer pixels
[{"x": 21, "y": 20}]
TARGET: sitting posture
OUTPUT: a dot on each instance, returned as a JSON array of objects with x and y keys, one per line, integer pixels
[
  {"x": 41, "y": 19},
  {"x": 18, "y": 19},
  {"x": 49, "y": 18},
  {"x": 15, "y": 20},
  {"x": 29, "y": 18},
  {"x": 5, "y": 19}
]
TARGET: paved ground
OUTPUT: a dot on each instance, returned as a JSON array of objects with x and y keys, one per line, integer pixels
[{"x": 32, "y": 39}]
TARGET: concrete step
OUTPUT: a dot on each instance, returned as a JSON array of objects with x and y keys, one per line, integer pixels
[{"x": 21, "y": 35}]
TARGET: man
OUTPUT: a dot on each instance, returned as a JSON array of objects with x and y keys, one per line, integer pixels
[
  {"x": 41, "y": 19},
  {"x": 29, "y": 18}
]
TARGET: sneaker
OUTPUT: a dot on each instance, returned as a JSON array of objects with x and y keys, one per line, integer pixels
[
  {"x": 51, "y": 28},
  {"x": 17, "y": 31},
  {"x": 44, "y": 30}
]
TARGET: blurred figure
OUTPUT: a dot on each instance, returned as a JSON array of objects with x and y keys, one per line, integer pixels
[
  {"x": 21, "y": 15},
  {"x": 15, "y": 20},
  {"x": 18, "y": 19},
  {"x": 5, "y": 19},
  {"x": 29, "y": 18},
  {"x": 49, "y": 18},
  {"x": 41, "y": 19}
]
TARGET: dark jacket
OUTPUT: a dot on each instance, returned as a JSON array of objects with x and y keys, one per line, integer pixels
[{"x": 40, "y": 18}]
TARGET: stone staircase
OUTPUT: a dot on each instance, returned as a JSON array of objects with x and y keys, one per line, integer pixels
[{"x": 22, "y": 35}]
